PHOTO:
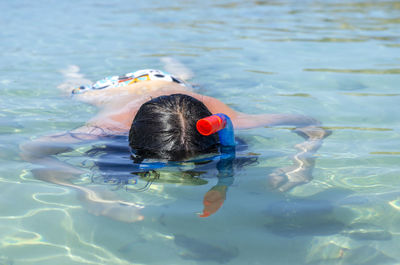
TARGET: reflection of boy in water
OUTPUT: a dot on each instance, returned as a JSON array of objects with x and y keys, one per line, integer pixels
[{"x": 160, "y": 113}]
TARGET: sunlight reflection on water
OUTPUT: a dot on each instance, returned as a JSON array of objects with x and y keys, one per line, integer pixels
[{"x": 334, "y": 60}]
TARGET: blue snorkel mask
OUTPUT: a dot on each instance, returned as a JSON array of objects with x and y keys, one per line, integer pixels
[{"x": 124, "y": 173}]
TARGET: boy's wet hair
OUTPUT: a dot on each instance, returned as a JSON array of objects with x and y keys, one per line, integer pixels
[{"x": 165, "y": 128}]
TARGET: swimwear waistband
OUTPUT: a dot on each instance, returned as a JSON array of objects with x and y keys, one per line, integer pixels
[{"x": 128, "y": 79}]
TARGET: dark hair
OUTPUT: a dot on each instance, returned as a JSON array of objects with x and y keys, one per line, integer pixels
[{"x": 165, "y": 128}]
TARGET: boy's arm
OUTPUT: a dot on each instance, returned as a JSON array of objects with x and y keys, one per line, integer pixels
[
  {"x": 300, "y": 171},
  {"x": 244, "y": 121},
  {"x": 42, "y": 152}
]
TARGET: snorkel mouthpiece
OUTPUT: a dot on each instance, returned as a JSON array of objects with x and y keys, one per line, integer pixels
[{"x": 220, "y": 123}]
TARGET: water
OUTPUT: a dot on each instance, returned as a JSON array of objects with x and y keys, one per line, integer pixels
[{"x": 337, "y": 61}]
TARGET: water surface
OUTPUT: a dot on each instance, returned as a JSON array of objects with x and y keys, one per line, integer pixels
[{"x": 337, "y": 61}]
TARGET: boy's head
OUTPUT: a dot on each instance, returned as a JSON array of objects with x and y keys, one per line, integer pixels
[{"x": 165, "y": 128}]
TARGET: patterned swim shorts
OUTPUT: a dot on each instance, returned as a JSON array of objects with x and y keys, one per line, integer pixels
[{"x": 128, "y": 79}]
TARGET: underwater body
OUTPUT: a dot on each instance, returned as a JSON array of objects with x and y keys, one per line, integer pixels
[{"x": 337, "y": 61}]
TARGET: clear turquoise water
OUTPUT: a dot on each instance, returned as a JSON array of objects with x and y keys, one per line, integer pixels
[{"x": 338, "y": 61}]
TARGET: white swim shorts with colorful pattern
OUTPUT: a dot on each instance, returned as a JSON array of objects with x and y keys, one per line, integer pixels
[{"x": 128, "y": 79}]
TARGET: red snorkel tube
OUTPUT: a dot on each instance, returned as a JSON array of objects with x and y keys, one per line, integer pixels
[
  {"x": 210, "y": 125},
  {"x": 220, "y": 123}
]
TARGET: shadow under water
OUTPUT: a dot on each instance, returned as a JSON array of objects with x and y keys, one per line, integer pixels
[
  {"x": 201, "y": 251},
  {"x": 322, "y": 214}
]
